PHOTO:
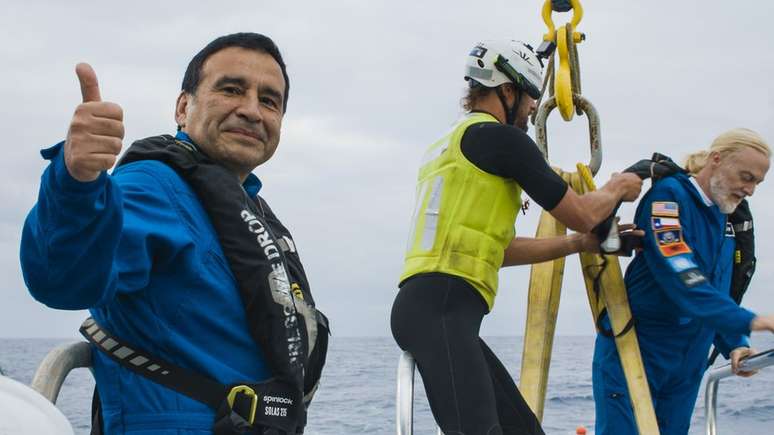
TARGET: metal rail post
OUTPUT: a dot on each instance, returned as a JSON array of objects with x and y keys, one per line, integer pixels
[
  {"x": 755, "y": 362},
  {"x": 404, "y": 402},
  {"x": 57, "y": 364}
]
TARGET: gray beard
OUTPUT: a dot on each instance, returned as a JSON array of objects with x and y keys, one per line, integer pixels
[{"x": 720, "y": 195}]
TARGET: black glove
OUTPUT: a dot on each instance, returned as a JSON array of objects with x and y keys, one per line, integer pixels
[
  {"x": 629, "y": 243},
  {"x": 657, "y": 167}
]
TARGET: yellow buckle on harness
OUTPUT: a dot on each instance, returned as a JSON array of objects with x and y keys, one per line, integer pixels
[{"x": 244, "y": 389}]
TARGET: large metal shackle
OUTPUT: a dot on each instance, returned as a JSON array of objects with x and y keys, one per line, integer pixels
[{"x": 595, "y": 142}]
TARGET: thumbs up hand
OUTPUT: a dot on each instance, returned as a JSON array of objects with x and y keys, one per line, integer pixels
[{"x": 96, "y": 130}]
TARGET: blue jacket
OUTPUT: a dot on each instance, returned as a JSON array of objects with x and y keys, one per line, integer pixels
[
  {"x": 678, "y": 286},
  {"x": 137, "y": 249}
]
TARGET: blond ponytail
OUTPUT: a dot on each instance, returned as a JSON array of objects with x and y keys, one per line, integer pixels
[{"x": 696, "y": 161}]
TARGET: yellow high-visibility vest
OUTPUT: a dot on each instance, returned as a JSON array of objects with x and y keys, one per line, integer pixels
[{"x": 464, "y": 217}]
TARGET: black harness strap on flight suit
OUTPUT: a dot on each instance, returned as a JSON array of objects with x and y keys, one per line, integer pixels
[
  {"x": 744, "y": 257},
  {"x": 279, "y": 307}
]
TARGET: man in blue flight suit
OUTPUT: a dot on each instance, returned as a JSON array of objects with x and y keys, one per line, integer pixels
[
  {"x": 678, "y": 286},
  {"x": 176, "y": 254}
]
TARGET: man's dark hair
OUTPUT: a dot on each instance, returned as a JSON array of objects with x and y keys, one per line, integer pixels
[
  {"x": 250, "y": 41},
  {"x": 474, "y": 94},
  {"x": 477, "y": 92}
]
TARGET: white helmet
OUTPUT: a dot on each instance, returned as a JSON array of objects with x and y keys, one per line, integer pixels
[{"x": 492, "y": 63}]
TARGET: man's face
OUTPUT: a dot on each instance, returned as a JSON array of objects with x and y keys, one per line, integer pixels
[
  {"x": 735, "y": 176},
  {"x": 527, "y": 105},
  {"x": 235, "y": 114}
]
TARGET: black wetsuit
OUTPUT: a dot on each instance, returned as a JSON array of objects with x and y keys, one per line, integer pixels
[{"x": 436, "y": 317}]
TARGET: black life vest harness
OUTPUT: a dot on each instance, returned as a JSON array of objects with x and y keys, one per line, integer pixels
[
  {"x": 744, "y": 254},
  {"x": 281, "y": 315}
]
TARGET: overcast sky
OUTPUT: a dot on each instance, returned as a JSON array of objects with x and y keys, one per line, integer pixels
[{"x": 372, "y": 84}]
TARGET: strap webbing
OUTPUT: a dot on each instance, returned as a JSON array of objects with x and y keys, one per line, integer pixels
[
  {"x": 239, "y": 408},
  {"x": 176, "y": 378}
]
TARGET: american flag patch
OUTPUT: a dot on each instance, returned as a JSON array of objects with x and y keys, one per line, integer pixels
[{"x": 661, "y": 208}]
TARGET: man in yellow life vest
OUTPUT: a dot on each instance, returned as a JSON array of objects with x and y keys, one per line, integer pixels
[{"x": 468, "y": 196}]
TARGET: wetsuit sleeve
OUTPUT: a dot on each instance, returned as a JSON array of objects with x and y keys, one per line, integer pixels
[
  {"x": 508, "y": 152},
  {"x": 79, "y": 238},
  {"x": 669, "y": 256}
]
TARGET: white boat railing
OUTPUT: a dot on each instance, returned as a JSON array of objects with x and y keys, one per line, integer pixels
[
  {"x": 55, "y": 367},
  {"x": 405, "y": 395},
  {"x": 755, "y": 362}
]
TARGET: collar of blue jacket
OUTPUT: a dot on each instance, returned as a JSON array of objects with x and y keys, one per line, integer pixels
[
  {"x": 252, "y": 184},
  {"x": 693, "y": 188},
  {"x": 707, "y": 201}
]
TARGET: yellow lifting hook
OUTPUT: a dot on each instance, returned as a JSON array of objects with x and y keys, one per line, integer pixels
[
  {"x": 567, "y": 80},
  {"x": 577, "y": 16}
]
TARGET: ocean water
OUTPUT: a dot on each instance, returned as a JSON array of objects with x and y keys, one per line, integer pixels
[{"x": 357, "y": 394}]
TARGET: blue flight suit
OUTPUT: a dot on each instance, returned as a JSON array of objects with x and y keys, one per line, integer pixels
[
  {"x": 678, "y": 288},
  {"x": 138, "y": 250}
]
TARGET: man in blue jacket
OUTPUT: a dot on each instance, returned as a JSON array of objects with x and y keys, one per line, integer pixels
[
  {"x": 678, "y": 286},
  {"x": 148, "y": 251}
]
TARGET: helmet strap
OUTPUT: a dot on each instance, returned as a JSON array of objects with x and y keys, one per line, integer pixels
[{"x": 510, "y": 112}]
